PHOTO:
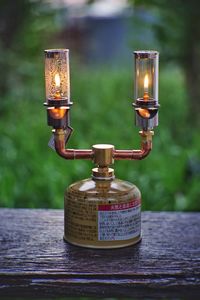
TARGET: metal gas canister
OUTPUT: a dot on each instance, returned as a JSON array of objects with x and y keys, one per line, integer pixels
[{"x": 102, "y": 211}]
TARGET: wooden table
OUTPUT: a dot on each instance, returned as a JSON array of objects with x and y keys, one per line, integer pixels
[{"x": 35, "y": 261}]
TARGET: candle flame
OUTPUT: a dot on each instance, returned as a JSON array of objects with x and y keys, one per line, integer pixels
[
  {"x": 57, "y": 80},
  {"x": 146, "y": 81}
]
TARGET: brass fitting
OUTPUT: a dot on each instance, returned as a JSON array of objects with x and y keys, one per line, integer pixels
[
  {"x": 103, "y": 155},
  {"x": 103, "y": 173},
  {"x": 103, "y": 158},
  {"x": 146, "y": 135}
]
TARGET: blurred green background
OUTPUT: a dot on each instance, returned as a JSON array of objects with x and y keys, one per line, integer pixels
[{"x": 101, "y": 36}]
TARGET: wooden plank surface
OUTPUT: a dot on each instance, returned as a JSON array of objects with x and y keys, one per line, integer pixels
[{"x": 35, "y": 261}]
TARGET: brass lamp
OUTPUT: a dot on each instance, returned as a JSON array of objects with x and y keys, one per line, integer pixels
[{"x": 102, "y": 211}]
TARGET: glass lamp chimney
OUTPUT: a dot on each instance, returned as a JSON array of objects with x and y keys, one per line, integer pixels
[
  {"x": 146, "y": 75},
  {"x": 146, "y": 88},
  {"x": 57, "y": 77}
]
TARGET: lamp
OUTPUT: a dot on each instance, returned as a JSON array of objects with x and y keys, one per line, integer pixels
[
  {"x": 146, "y": 89},
  {"x": 57, "y": 83},
  {"x": 102, "y": 211}
]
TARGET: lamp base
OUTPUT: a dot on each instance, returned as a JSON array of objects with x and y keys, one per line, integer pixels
[{"x": 102, "y": 213}]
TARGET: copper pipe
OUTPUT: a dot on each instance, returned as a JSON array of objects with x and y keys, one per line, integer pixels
[
  {"x": 59, "y": 138},
  {"x": 133, "y": 154},
  {"x": 137, "y": 154}
]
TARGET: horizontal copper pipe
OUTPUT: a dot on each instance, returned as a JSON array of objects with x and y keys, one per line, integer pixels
[
  {"x": 133, "y": 154},
  {"x": 74, "y": 154}
]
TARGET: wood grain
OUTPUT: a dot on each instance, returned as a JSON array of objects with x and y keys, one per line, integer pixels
[{"x": 36, "y": 262}]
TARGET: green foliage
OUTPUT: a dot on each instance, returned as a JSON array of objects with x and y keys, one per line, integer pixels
[{"x": 173, "y": 23}]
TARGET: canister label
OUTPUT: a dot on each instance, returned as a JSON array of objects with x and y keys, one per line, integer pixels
[{"x": 120, "y": 221}]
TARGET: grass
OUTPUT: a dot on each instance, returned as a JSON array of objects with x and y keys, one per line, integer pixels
[{"x": 32, "y": 175}]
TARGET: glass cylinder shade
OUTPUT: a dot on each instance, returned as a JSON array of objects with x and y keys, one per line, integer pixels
[
  {"x": 146, "y": 75},
  {"x": 57, "y": 77}
]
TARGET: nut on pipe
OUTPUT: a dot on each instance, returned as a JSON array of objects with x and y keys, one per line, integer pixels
[
  {"x": 103, "y": 155},
  {"x": 146, "y": 135}
]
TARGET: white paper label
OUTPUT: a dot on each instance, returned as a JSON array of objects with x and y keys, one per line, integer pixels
[{"x": 119, "y": 221}]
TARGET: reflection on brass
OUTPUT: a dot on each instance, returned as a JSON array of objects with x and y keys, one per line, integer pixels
[
  {"x": 57, "y": 113},
  {"x": 144, "y": 112}
]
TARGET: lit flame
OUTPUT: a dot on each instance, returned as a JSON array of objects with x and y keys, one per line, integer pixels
[
  {"x": 146, "y": 86},
  {"x": 57, "y": 80},
  {"x": 146, "y": 82}
]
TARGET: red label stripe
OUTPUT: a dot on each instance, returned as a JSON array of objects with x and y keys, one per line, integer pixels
[{"x": 119, "y": 206}]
